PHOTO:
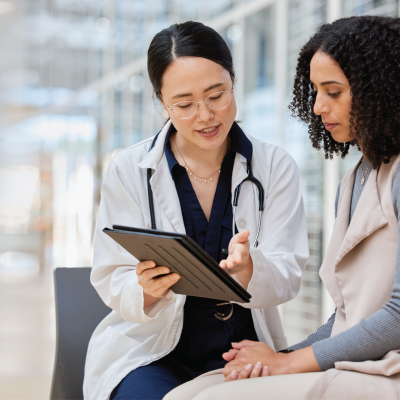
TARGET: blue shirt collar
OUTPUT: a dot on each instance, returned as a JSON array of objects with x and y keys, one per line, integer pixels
[{"x": 240, "y": 143}]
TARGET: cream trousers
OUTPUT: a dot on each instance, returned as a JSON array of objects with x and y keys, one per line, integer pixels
[{"x": 213, "y": 387}]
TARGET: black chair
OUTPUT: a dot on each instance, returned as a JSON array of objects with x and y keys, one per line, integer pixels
[{"x": 79, "y": 310}]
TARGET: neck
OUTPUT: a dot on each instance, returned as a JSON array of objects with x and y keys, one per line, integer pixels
[{"x": 195, "y": 155}]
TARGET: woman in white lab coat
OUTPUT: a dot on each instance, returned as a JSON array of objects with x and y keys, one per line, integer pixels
[{"x": 154, "y": 339}]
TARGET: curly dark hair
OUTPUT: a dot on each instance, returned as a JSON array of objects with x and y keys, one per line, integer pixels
[{"x": 367, "y": 49}]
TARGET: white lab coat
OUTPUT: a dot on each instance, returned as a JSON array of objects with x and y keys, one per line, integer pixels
[{"x": 130, "y": 337}]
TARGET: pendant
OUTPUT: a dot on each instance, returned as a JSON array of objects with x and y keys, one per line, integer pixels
[{"x": 362, "y": 181}]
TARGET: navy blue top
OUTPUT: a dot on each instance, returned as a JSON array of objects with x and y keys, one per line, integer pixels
[
  {"x": 215, "y": 234},
  {"x": 204, "y": 337}
]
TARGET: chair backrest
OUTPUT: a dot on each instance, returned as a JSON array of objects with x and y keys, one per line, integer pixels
[{"x": 79, "y": 310}]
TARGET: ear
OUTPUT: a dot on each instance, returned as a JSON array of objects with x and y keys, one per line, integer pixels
[
  {"x": 164, "y": 110},
  {"x": 165, "y": 113},
  {"x": 159, "y": 99}
]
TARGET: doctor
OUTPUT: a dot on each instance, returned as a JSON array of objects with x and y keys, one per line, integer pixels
[{"x": 154, "y": 339}]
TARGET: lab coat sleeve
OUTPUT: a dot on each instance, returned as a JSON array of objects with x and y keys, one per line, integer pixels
[
  {"x": 113, "y": 273},
  {"x": 282, "y": 253}
]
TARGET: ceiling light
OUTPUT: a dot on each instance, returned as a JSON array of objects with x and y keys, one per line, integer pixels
[
  {"x": 234, "y": 33},
  {"x": 102, "y": 24}
]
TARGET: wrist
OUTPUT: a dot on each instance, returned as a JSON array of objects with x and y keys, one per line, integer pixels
[
  {"x": 149, "y": 300},
  {"x": 246, "y": 274},
  {"x": 301, "y": 361},
  {"x": 284, "y": 363}
]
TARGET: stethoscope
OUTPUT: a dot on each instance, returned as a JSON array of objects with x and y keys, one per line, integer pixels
[{"x": 250, "y": 178}]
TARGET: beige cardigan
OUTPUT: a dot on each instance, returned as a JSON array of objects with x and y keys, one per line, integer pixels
[{"x": 358, "y": 272}]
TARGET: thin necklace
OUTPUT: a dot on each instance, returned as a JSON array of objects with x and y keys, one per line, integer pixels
[
  {"x": 362, "y": 172},
  {"x": 191, "y": 173}
]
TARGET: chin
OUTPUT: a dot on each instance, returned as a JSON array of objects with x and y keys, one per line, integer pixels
[{"x": 341, "y": 138}]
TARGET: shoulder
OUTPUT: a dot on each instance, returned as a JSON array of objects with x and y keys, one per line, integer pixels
[
  {"x": 124, "y": 166},
  {"x": 275, "y": 167},
  {"x": 270, "y": 153},
  {"x": 127, "y": 160},
  {"x": 136, "y": 152}
]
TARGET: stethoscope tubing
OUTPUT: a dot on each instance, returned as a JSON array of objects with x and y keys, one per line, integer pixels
[{"x": 250, "y": 177}]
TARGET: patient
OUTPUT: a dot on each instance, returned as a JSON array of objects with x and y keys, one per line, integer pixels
[{"x": 347, "y": 89}]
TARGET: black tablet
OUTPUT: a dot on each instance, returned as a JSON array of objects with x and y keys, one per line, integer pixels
[{"x": 200, "y": 275}]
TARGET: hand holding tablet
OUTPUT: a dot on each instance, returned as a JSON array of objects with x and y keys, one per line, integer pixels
[{"x": 200, "y": 275}]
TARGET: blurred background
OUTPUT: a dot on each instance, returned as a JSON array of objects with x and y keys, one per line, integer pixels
[{"x": 74, "y": 91}]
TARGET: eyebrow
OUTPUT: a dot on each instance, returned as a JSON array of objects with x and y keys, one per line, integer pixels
[
  {"x": 178, "y": 96},
  {"x": 331, "y": 82},
  {"x": 328, "y": 83}
]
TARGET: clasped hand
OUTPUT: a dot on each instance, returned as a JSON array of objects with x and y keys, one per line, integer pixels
[{"x": 248, "y": 359}]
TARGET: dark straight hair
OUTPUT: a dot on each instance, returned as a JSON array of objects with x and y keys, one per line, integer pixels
[{"x": 190, "y": 39}]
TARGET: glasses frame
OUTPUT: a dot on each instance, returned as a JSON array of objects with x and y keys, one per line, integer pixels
[{"x": 198, "y": 102}]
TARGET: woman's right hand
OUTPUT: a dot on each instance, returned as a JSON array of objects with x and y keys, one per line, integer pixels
[{"x": 154, "y": 289}]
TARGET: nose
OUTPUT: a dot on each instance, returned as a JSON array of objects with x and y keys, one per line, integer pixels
[
  {"x": 204, "y": 113},
  {"x": 320, "y": 107}
]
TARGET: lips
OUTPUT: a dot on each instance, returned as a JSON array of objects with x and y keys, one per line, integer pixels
[
  {"x": 209, "y": 131},
  {"x": 329, "y": 126}
]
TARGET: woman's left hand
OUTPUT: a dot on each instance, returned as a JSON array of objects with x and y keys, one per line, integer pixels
[
  {"x": 247, "y": 359},
  {"x": 239, "y": 261}
]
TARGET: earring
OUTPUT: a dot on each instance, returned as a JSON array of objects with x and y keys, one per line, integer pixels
[{"x": 165, "y": 113}]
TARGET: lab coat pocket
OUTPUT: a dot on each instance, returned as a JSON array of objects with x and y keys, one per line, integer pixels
[{"x": 120, "y": 338}]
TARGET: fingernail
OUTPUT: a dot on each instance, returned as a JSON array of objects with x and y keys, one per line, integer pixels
[
  {"x": 234, "y": 374},
  {"x": 165, "y": 271},
  {"x": 258, "y": 365},
  {"x": 248, "y": 367},
  {"x": 265, "y": 370}
]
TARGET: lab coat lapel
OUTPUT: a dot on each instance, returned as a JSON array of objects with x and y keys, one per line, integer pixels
[
  {"x": 165, "y": 194},
  {"x": 239, "y": 171},
  {"x": 162, "y": 184},
  {"x": 154, "y": 157}
]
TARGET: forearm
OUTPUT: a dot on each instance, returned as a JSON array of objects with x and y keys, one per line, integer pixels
[
  {"x": 300, "y": 361},
  {"x": 371, "y": 339},
  {"x": 245, "y": 276},
  {"x": 149, "y": 300}
]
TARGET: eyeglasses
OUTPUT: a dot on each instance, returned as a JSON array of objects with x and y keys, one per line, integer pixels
[{"x": 188, "y": 109}]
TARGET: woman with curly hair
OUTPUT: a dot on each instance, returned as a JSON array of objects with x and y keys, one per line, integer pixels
[{"x": 347, "y": 89}]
